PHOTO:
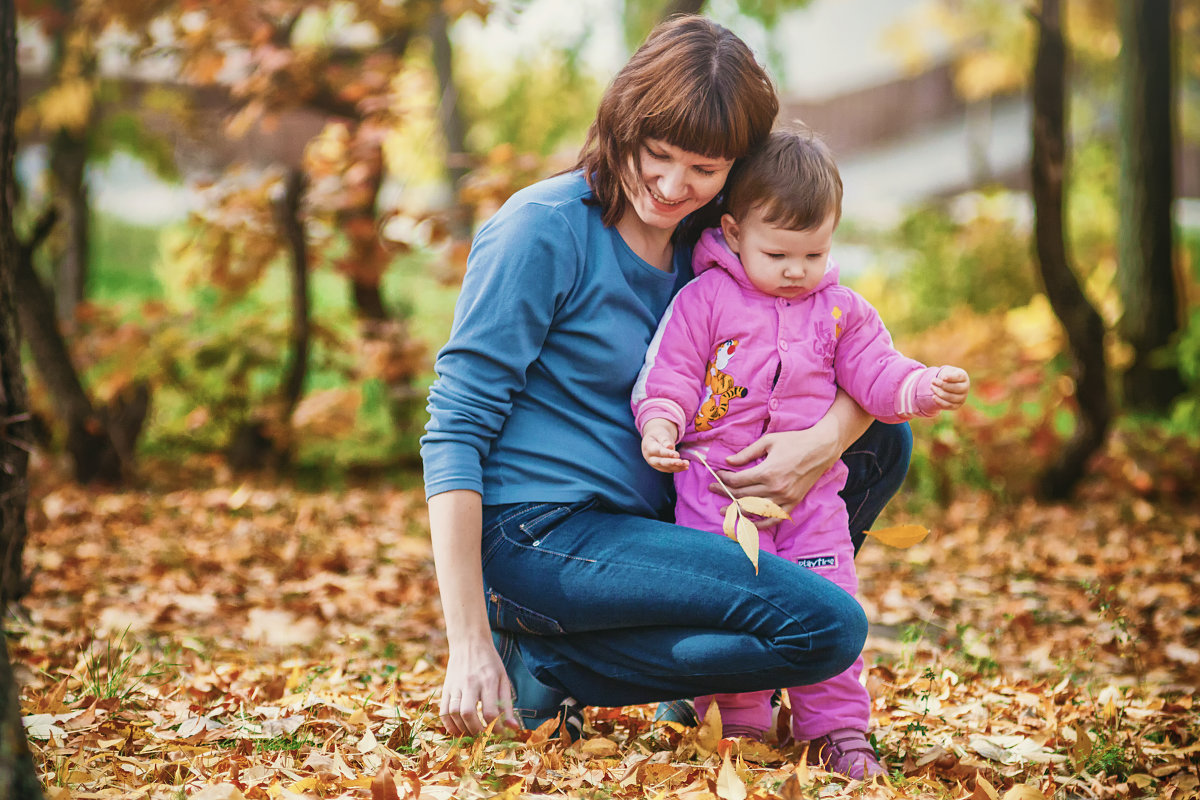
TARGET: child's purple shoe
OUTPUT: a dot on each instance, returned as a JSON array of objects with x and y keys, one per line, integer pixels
[{"x": 847, "y": 752}]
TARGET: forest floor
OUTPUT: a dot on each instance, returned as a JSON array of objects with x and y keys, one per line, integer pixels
[{"x": 203, "y": 637}]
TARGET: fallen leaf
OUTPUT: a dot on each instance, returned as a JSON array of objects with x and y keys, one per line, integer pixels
[
  {"x": 900, "y": 535},
  {"x": 984, "y": 789},
  {"x": 600, "y": 747},
  {"x": 383, "y": 786},
  {"x": 708, "y": 735},
  {"x": 219, "y": 791},
  {"x": 792, "y": 788},
  {"x": 729, "y": 785}
]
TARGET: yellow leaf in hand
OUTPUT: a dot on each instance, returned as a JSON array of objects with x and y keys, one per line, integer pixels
[
  {"x": 900, "y": 535},
  {"x": 762, "y": 507},
  {"x": 731, "y": 521},
  {"x": 747, "y": 537}
]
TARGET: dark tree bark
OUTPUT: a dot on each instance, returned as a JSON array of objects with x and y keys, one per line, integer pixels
[
  {"x": 1083, "y": 325},
  {"x": 68, "y": 166},
  {"x": 68, "y": 163},
  {"x": 100, "y": 442},
  {"x": 1146, "y": 192},
  {"x": 18, "y": 776},
  {"x": 454, "y": 127},
  {"x": 252, "y": 447},
  {"x": 293, "y": 230}
]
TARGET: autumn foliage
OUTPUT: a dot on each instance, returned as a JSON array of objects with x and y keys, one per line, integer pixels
[{"x": 230, "y": 640}]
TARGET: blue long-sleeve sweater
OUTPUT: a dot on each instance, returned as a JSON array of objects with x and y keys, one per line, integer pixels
[{"x": 531, "y": 401}]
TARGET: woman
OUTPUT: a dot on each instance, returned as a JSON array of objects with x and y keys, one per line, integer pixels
[{"x": 532, "y": 461}]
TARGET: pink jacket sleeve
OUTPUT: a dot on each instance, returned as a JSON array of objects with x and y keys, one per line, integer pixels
[
  {"x": 672, "y": 375},
  {"x": 888, "y": 385}
]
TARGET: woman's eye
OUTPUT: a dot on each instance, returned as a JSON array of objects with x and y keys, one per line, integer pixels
[
  {"x": 708, "y": 173},
  {"x": 656, "y": 156}
]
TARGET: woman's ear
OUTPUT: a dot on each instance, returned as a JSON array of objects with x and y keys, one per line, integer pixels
[{"x": 729, "y": 227}]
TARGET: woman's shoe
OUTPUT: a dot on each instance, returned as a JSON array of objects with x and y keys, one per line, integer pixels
[
  {"x": 533, "y": 701},
  {"x": 682, "y": 712},
  {"x": 846, "y": 751}
]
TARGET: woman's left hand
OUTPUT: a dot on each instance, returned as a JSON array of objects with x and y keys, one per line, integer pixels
[{"x": 792, "y": 461}]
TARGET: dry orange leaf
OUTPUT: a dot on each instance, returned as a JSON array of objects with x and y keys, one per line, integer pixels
[{"x": 900, "y": 535}]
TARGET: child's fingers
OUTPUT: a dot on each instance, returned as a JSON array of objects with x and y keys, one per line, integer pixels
[{"x": 668, "y": 464}]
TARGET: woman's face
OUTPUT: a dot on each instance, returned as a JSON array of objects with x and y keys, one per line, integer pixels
[{"x": 672, "y": 183}]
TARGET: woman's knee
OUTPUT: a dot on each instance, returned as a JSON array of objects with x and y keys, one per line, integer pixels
[
  {"x": 831, "y": 641},
  {"x": 848, "y": 636}
]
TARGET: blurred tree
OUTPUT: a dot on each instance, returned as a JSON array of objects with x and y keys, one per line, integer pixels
[
  {"x": 1083, "y": 325},
  {"x": 1146, "y": 197},
  {"x": 18, "y": 775},
  {"x": 642, "y": 15},
  {"x": 74, "y": 69}
]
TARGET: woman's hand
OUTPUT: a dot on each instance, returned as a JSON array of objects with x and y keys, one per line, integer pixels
[
  {"x": 476, "y": 690},
  {"x": 793, "y": 461}
]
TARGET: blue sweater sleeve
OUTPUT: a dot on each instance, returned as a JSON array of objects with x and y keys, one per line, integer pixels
[{"x": 522, "y": 265}]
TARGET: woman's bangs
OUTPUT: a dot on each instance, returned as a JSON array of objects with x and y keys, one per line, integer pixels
[{"x": 705, "y": 127}]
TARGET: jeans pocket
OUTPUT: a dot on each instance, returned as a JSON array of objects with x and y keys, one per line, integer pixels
[{"x": 504, "y": 614}]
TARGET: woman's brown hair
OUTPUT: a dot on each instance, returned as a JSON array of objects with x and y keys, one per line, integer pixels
[{"x": 692, "y": 84}]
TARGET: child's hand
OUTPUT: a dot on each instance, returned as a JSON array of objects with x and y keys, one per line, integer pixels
[
  {"x": 950, "y": 387},
  {"x": 658, "y": 446}
]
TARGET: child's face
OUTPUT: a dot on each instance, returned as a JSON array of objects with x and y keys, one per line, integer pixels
[{"x": 778, "y": 261}]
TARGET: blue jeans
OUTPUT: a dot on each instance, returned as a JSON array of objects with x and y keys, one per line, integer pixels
[
  {"x": 878, "y": 462},
  {"x": 614, "y": 609}
]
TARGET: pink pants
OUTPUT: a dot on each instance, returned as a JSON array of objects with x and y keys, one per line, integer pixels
[{"x": 818, "y": 538}]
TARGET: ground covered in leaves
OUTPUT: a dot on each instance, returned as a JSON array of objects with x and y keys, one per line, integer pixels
[{"x": 209, "y": 638}]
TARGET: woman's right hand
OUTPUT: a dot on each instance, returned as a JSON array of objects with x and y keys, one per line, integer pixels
[{"x": 476, "y": 690}]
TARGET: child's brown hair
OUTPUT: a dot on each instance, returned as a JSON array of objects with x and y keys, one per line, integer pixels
[{"x": 792, "y": 179}]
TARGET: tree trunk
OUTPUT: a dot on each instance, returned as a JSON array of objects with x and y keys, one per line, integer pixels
[
  {"x": 18, "y": 776},
  {"x": 252, "y": 447},
  {"x": 1146, "y": 192},
  {"x": 68, "y": 163},
  {"x": 454, "y": 127},
  {"x": 94, "y": 454},
  {"x": 68, "y": 166},
  {"x": 1083, "y": 325},
  {"x": 293, "y": 230}
]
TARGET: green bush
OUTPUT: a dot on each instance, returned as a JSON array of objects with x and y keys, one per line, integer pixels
[{"x": 976, "y": 255}]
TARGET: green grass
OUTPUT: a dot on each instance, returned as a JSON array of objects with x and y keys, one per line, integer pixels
[{"x": 124, "y": 255}]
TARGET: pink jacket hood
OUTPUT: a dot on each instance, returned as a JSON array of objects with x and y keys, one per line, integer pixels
[{"x": 712, "y": 251}]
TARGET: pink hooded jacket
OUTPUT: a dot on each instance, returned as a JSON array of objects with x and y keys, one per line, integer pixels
[{"x": 730, "y": 363}]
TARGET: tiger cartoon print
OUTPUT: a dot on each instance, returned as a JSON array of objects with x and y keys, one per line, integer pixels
[{"x": 719, "y": 388}]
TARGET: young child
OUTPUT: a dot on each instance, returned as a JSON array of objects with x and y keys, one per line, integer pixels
[{"x": 759, "y": 342}]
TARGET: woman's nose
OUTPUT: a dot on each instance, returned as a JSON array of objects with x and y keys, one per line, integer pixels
[{"x": 673, "y": 182}]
